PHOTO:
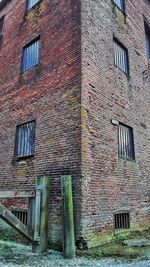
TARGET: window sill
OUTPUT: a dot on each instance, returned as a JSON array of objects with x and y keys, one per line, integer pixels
[
  {"x": 33, "y": 7},
  {"x": 17, "y": 158},
  {"x": 35, "y": 67},
  {"x": 126, "y": 159}
]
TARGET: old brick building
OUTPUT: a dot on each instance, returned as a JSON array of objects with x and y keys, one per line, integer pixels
[{"x": 74, "y": 98}]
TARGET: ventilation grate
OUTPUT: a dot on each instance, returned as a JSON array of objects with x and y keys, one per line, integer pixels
[
  {"x": 22, "y": 215},
  {"x": 122, "y": 221}
]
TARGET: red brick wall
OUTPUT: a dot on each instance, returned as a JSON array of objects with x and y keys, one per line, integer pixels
[
  {"x": 74, "y": 133},
  {"x": 48, "y": 93},
  {"x": 110, "y": 183}
]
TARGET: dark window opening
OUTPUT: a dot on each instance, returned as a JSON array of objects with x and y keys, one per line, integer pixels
[
  {"x": 120, "y": 4},
  {"x": 147, "y": 39},
  {"x": 22, "y": 215},
  {"x": 25, "y": 139},
  {"x": 121, "y": 59},
  {"x": 31, "y": 3},
  {"x": 1, "y": 26},
  {"x": 31, "y": 55},
  {"x": 126, "y": 142},
  {"x": 122, "y": 221}
]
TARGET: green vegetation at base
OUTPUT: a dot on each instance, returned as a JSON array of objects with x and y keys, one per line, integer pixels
[{"x": 115, "y": 248}]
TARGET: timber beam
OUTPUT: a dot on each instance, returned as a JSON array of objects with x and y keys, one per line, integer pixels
[{"x": 13, "y": 221}]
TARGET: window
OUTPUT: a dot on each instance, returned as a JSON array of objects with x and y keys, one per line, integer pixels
[
  {"x": 147, "y": 39},
  {"x": 122, "y": 221},
  {"x": 120, "y": 4},
  {"x": 126, "y": 142},
  {"x": 31, "y": 3},
  {"x": 31, "y": 55},
  {"x": 1, "y": 26},
  {"x": 25, "y": 139},
  {"x": 21, "y": 214},
  {"x": 121, "y": 59}
]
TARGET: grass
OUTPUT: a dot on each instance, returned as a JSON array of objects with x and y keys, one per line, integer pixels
[{"x": 116, "y": 249}]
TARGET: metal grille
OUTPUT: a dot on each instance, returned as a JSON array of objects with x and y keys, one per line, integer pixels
[
  {"x": 122, "y": 221},
  {"x": 121, "y": 57},
  {"x": 120, "y": 4},
  {"x": 1, "y": 25},
  {"x": 22, "y": 215},
  {"x": 31, "y": 55},
  {"x": 32, "y": 3},
  {"x": 126, "y": 142},
  {"x": 25, "y": 139}
]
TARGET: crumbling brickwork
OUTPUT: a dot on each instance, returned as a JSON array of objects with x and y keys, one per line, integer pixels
[{"x": 73, "y": 94}]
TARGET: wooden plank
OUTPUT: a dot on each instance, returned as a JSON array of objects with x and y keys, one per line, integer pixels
[
  {"x": 13, "y": 221},
  {"x": 17, "y": 194},
  {"x": 68, "y": 221},
  {"x": 43, "y": 185},
  {"x": 31, "y": 216}
]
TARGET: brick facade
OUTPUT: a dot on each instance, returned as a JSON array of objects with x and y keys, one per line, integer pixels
[{"x": 73, "y": 94}]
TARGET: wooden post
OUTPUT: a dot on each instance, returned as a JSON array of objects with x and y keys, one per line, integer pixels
[
  {"x": 43, "y": 185},
  {"x": 68, "y": 223},
  {"x": 31, "y": 215}
]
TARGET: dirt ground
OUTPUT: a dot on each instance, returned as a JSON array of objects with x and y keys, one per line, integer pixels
[{"x": 15, "y": 255}]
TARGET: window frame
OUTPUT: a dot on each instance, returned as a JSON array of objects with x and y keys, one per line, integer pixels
[
  {"x": 123, "y": 11},
  {"x": 23, "y": 49},
  {"x": 115, "y": 40},
  {"x": 132, "y": 144},
  {"x": 16, "y": 141},
  {"x": 34, "y": 6},
  {"x": 147, "y": 33},
  {"x": 1, "y": 30}
]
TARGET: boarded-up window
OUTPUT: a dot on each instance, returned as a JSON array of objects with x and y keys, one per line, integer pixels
[
  {"x": 25, "y": 139},
  {"x": 120, "y": 4},
  {"x": 126, "y": 142},
  {"x": 31, "y": 55},
  {"x": 121, "y": 56},
  {"x": 1, "y": 26},
  {"x": 31, "y": 3}
]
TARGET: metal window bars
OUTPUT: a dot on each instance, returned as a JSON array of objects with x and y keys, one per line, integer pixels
[
  {"x": 121, "y": 57},
  {"x": 126, "y": 142},
  {"x": 25, "y": 139}
]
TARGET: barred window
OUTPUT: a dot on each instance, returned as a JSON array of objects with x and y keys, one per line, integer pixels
[
  {"x": 147, "y": 39},
  {"x": 31, "y": 3},
  {"x": 126, "y": 142},
  {"x": 25, "y": 139},
  {"x": 122, "y": 221},
  {"x": 120, "y": 4},
  {"x": 31, "y": 55},
  {"x": 121, "y": 56},
  {"x": 1, "y": 26}
]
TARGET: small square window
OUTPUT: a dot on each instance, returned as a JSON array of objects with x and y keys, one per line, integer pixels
[
  {"x": 25, "y": 139},
  {"x": 126, "y": 142},
  {"x": 1, "y": 26},
  {"x": 120, "y": 4},
  {"x": 121, "y": 59},
  {"x": 122, "y": 221},
  {"x": 31, "y": 55},
  {"x": 31, "y": 3}
]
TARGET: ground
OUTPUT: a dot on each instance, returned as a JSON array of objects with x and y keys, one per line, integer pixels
[
  {"x": 14, "y": 255},
  {"x": 126, "y": 249}
]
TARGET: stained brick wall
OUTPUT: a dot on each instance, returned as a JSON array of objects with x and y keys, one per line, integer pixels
[
  {"x": 110, "y": 183},
  {"x": 73, "y": 105},
  {"x": 48, "y": 93}
]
